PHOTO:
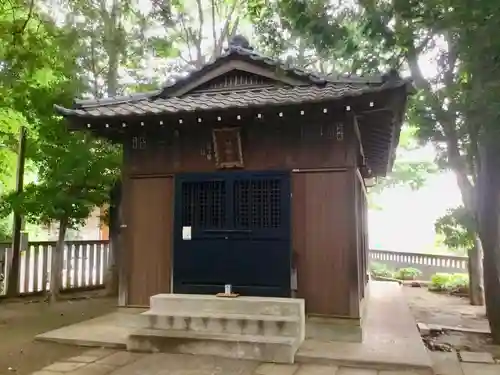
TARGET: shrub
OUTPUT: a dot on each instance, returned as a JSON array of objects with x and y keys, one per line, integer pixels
[
  {"x": 450, "y": 282},
  {"x": 408, "y": 273},
  {"x": 439, "y": 281},
  {"x": 459, "y": 283},
  {"x": 380, "y": 270}
]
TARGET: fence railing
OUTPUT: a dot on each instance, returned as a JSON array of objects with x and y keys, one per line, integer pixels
[
  {"x": 429, "y": 264},
  {"x": 84, "y": 264}
]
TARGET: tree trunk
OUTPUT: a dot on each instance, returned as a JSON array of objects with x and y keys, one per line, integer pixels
[
  {"x": 476, "y": 285},
  {"x": 458, "y": 165},
  {"x": 13, "y": 265},
  {"x": 489, "y": 220},
  {"x": 56, "y": 262}
]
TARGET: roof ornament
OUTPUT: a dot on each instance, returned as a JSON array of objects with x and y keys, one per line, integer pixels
[{"x": 239, "y": 41}]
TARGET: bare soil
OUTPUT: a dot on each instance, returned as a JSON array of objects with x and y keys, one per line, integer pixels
[
  {"x": 451, "y": 311},
  {"x": 21, "y": 320}
]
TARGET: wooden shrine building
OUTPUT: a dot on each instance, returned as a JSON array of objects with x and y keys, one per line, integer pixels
[{"x": 250, "y": 172}]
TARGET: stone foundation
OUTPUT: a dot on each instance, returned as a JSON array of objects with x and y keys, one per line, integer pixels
[
  {"x": 334, "y": 329},
  {"x": 264, "y": 329}
]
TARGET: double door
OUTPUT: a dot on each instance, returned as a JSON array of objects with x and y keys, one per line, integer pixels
[{"x": 233, "y": 228}]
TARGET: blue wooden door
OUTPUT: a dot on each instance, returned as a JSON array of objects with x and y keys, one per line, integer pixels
[{"x": 239, "y": 226}]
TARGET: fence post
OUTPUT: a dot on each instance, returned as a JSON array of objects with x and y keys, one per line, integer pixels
[{"x": 24, "y": 263}]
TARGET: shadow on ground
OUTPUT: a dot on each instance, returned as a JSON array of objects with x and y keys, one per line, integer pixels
[{"x": 21, "y": 321}]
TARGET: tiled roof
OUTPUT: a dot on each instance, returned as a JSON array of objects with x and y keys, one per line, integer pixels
[
  {"x": 148, "y": 104},
  {"x": 250, "y": 55},
  {"x": 236, "y": 52}
]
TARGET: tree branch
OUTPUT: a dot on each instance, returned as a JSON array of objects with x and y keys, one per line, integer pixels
[{"x": 448, "y": 122}]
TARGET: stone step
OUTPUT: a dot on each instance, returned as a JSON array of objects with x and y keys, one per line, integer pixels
[
  {"x": 192, "y": 304},
  {"x": 264, "y": 325},
  {"x": 250, "y": 347}
]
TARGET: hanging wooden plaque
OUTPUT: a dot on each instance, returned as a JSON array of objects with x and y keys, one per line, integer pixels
[{"x": 227, "y": 148}]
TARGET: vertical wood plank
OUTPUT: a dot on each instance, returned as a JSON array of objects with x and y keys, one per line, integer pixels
[
  {"x": 84, "y": 264},
  {"x": 150, "y": 246},
  {"x": 104, "y": 263},
  {"x": 92, "y": 249},
  {"x": 67, "y": 266},
  {"x": 45, "y": 259},
  {"x": 98, "y": 262},
  {"x": 36, "y": 265},
  {"x": 78, "y": 265},
  {"x": 321, "y": 240},
  {"x": 26, "y": 281}
]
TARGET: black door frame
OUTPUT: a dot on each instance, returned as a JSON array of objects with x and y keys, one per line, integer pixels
[{"x": 281, "y": 235}]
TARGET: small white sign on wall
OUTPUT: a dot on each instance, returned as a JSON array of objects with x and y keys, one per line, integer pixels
[{"x": 186, "y": 233}]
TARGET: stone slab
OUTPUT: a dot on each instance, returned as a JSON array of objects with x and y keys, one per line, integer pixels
[
  {"x": 82, "y": 359},
  {"x": 178, "y": 364},
  {"x": 423, "y": 328},
  {"x": 317, "y": 370},
  {"x": 216, "y": 323},
  {"x": 485, "y": 331},
  {"x": 388, "y": 344},
  {"x": 324, "y": 329},
  {"x": 399, "y": 372},
  {"x": 276, "y": 369},
  {"x": 98, "y": 352},
  {"x": 103, "y": 331},
  {"x": 94, "y": 369},
  {"x": 476, "y": 357},
  {"x": 355, "y": 371},
  {"x": 194, "y": 303},
  {"x": 480, "y": 369},
  {"x": 119, "y": 359},
  {"x": 64, "y": 366},
  {"x": 446, "y": 363},
  {"x": 259, "y": 348}
]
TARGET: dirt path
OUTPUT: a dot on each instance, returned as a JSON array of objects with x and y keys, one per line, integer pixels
[
  {"x": 21, "y": 321},
  {"x": 445, "y": 310},
  {"x": 441, "y": 309}
]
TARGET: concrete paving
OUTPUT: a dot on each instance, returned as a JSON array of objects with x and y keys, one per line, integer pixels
[
  {"x": 110, "y": 331},
  {"x": 390, "y": 344},
  {"x": 391, "y": 338},
  {"x": 449, "y": 364},
  {"x": 106, "y": 362}
]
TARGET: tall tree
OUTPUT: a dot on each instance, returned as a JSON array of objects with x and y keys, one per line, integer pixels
[
  {"x": 68, "y": 187},
  {"x": 479, "y": 53},
  {"x": 200, "y": 29},
  {"x": 459, "y": 40},
  {"x": 401, "y": 33},
  {"x": 30, "y": 47}
]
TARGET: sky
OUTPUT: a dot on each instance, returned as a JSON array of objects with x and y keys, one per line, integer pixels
[{"x": 406, "y": 221}]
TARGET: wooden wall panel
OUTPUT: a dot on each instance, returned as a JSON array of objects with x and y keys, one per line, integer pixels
[
  {"x": 323, "y": 233},
  {"x": 150, "y": 227},
  {"x": 278, "y": 146}
]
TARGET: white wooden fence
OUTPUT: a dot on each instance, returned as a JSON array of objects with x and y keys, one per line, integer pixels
[
  {"x": 84, "y": 265},
  {"x": 429, "y": 264}
]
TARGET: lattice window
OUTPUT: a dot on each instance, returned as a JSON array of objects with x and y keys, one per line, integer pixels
[
  {"x": 203, "y": 204},
  {"x": 257, "y": 203}
]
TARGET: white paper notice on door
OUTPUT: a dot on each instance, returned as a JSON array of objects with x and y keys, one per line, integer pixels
[{"x": 186, "y": 233}]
